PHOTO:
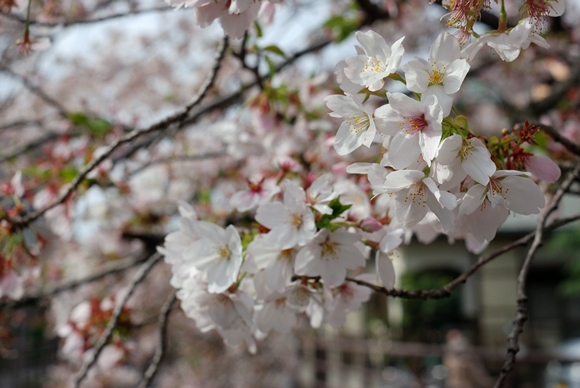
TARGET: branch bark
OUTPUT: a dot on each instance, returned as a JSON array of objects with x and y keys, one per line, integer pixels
[
  {"x": 522, "y": 303},
  {"x": 177, "y": 117},
  {"x": 160, "y": 350},
  {"x": 106, "y": 336}
]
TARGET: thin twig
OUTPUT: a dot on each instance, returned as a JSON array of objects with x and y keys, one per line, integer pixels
[
  {"x": 178, "y": 158},
  {"x": 28, "y": 147},
  {"x": 37, "y": 91},
  {"x": 174, "y": 118},
  {"x": 160, "y": 350},
  {"x": 522, "y": 303},
  {"x": 20, "y": 123},
  {"x": 104, "y": 338},
  {"x": 446, "y": 290},
  {"x": 70, "y": 284},
  {"x": 89, "y": 21},
  {"x": 557, "y": 136}
]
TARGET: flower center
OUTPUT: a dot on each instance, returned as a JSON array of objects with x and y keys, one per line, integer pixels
[
  {"x": 358, "y": 123},
  {"x": 296, "y": 219},
  {"x": 280, "y": 303},
  {"x": 495, "y": 190},
  {"x": 416, "y": 194},
  {"x": 465, "y": 151},
  {"x": 436, "y": 74},
  {"x": 373, "y": 65},
  {"x": 224, "y": 253},
  {"x": 412, "y": 125},
  {"x": 299, "y": 298},
  {"x": 329, "y": 249},
  {"x": 286, "y": 254}
]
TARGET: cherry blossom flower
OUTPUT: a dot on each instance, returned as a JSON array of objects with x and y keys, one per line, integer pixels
[
  {"x": 176, "y": 244},
  {"x": 11, "y": 285},
  {"x": 415, "y": 125},
  {"x": 233, "y": 21},
  {"x": 415, "y": 195},
  {"x": 543, "y": 168},
  {"x": 329, "y": 255},
  {"x": 511, "y": 189},
  {"x": 304, "y": 299},
  {"x": 358, "y": 128},
  {"x": 291, "y": 223},
  {"x": 471, "y": 154},
  {"x": 384, "y": 265},
  {"x": 442, "y": 75},
  {"x": 507, "y": 44},
  {"x": 378, "y": 61},
  {"x": 484, "y": 222},
  {"x": 346, "y": 85},
  {"x": 319, "y": 194},
  {"x": 258, "y": 194},
  {"x": 275, "y": 314},
  {"x": 345, "y": 298},
  {"x": 218, "y": 251},
  {"x": 278, "y": 264},
  {"x": 538, "y": 10},
  {"x": 228, "y": 313}
]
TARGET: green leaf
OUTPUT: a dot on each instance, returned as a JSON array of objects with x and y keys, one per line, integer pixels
[
  {"x": 275, "y": 49},
  {"x": 271, "y": 66},
  {"x": 259, "y": 32},
  {"x": 96, "y": 126},
  {"x": 341, "y": 26},
  {"x": 68, "y": 174},
  {"x": 337, "y": 209},
  {"x": 99, "y": 127}
]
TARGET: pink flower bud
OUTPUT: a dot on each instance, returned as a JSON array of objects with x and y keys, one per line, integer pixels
[{"x": 370, "y": 225}]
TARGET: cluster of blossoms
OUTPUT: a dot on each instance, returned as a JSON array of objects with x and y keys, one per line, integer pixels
[
  {"x": 296, "y": 261},
  {"x": 235, "y": 16},
  {"x": 431, "y": 163},
  {"x": 306, "y": 252}
]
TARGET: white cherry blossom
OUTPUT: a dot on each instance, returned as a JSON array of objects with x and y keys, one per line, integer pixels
[
  {"x": 278, "y": 264},
  {"x": 275, "y": 314},
  {"x": 291, "y": 223},
  {"x": 507, "y": 44},
  {"x": 415, "y": 194},
  {"x": 329, "y": 255},
  {"x": 511, "y": 189},
  {"x": 319, "y": 194},
  {"x": 257, "y": 194},
  {"x": 442, "y": 75},
  {"x": 471, "y": 154},
  {"x": 343, "y": 299},
  {"x": 415, "y": 127},
  {"x": 357, "y": 129},
  {"x": 218, "y": 251},
  {"x": 378, "y": 61}
]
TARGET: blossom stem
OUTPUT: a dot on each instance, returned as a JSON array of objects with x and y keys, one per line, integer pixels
[
  {"x": 27, "y": 25},
  {"x": 502, "y": 18},
  {"x": 397, "y": 77}
]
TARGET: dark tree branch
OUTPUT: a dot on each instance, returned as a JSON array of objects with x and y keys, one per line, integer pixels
[
  {"x": 19, "y": 123},
  {"x": 89, "y": 21},
  {"x": 178, "y": 158},
  {"x": 70, "y": 284},
  {"x": 28, "y": 147},
  {"x": 160, "y": 350},
  {"x": 522, "y": 304},
  {"x": 178, "y": 117},
  {"x": 555, "y": 134},
  {"x": 120, "y": 304},
  {"x": 37, "y": 91},
  {"x": 446, "y": 290}
]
